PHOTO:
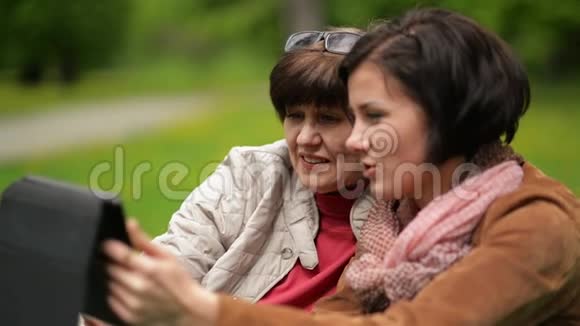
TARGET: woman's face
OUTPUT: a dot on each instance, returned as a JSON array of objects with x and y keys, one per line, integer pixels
[
  {"x": 390, "y": 134},
  {"x": 316, "y": 140}
]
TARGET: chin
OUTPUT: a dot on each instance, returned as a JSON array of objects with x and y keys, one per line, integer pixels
[
  {"x": 323, "y": 186},
  {"x": 380, "y": 192}
]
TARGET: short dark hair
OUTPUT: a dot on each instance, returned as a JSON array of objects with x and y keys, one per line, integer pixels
[
  {"x": 308, "y": 76},
  {"x": 467, "y": 80}
]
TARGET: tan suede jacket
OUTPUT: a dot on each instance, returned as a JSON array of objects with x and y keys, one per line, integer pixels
[{"x": 524, "y": 270}]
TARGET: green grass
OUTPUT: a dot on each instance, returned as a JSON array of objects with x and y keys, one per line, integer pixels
[
  {"x": 549, "y": 134},
  {"x": 241, "y": 120},
  {"x": 167, "y": 77},
  {"x": 548, "y": 137}
]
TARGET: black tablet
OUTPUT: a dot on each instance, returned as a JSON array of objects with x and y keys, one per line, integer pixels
[{"x": 51, "y": 262}]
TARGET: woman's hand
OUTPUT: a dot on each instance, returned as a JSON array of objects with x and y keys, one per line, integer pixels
[{"x": 152, "y": 287}]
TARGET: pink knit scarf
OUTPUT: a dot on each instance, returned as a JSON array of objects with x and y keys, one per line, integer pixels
[{"x": 397, "y": 264}]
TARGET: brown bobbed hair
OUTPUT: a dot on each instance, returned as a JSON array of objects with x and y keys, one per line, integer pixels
[{"x": 309, "y": 76}]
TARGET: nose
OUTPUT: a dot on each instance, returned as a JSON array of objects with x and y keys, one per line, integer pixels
[
  {"x": 309, "y": 136},
  {"x": 355, "y": 141}
]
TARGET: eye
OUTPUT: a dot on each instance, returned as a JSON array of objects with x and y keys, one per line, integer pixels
[
  {"x": 329, "y": 118},
  {"x": 374, "y": 115},
  {"x": 294, "y": 115}
]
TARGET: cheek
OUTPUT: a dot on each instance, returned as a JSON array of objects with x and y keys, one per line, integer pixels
[
  {"x": 414, "y": 142},
  {"x": 290, "y": 134},
  {"x": 411, "y": 146},
  {"x": 335, "y": 142},
  {"x": 413, "y": 153}
]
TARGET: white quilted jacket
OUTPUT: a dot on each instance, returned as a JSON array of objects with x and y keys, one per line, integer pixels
[{"x": 244, "y": 227}]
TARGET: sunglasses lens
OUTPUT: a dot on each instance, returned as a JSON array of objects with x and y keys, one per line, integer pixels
[
  {"x": 301, "y": 40},
  {"x": 341, "y": 42}
]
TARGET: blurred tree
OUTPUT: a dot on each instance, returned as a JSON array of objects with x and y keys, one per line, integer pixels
[
  {"x": 238, "y": 24},
  {"x": 300, "y": 15},
  {"x": 204, "y": 29},
  {"x": 547, "y": 35},
  {"x": 73, "y": 34},
  {"x": 544, "y": 34},
  {"x": 67, "y": 34}
]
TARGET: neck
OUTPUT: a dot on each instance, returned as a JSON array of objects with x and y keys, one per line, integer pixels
[
  {"x": 436, "y": 184},
  {"x": 334, "y": 205}
]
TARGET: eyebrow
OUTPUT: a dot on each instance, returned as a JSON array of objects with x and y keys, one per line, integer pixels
[{"x": 370, "y": 104}]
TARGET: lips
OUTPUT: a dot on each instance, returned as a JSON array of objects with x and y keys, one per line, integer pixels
[
  {"x": 309, "y": 162},
  {"x": 313, "y": 160},
  {"x": 370, "y": 169}
]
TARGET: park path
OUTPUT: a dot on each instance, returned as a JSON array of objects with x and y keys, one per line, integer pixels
[{"x": 70, "y": 126}]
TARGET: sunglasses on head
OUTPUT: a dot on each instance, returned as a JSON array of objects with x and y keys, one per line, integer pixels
[{"x": 334, "y": 42}]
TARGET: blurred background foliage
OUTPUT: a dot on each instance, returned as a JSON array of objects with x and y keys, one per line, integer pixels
[
  {"x": 56, "y": 52},
  {"x": 68, "y": 35},
  {"x": 74, "y": 36}
]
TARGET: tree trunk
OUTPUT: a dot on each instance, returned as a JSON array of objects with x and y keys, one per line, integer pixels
[
  {"x": 31, "y": 74},
  {"x": 68, "y": 67},
  {"x": 300, "y": 15}
]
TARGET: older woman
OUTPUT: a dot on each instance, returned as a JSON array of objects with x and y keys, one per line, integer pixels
[
  {"x": 278, "y": 223},
  {"x": 465, "y": 232}
]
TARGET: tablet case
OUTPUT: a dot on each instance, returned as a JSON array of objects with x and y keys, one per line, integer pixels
[{"x": 51, "y": 265}]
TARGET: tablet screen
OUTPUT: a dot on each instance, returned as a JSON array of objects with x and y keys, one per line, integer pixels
[{"x": 50, "y": 248}]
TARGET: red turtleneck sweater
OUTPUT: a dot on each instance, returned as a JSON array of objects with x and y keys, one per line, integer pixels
[{"x": 335, "y": 244}]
